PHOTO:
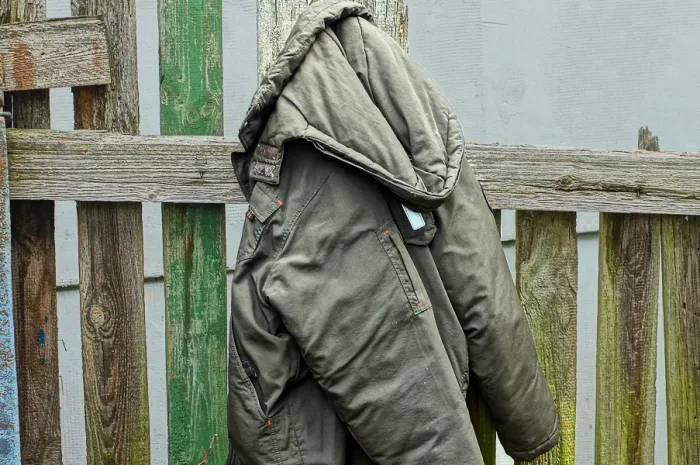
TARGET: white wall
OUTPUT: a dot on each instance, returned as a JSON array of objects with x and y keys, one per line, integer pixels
[{"x": 584, "y": 73}]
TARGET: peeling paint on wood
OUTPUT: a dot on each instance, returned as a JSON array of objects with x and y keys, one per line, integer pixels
[
  {"x": 547, "y": 281},
  {"x": 628, "y": 286},
  {"x": 194, "y": 236},
  {"x": 9, "y": 402},
  {"x": 57, "y": 53}
]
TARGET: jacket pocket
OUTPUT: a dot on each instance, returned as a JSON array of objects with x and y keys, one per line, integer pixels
[
  {"x": 263, "y": 204},
  {"x": 406, "y": 271}
]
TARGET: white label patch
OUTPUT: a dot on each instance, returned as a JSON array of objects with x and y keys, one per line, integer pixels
[{"x": 415, "y": 218}]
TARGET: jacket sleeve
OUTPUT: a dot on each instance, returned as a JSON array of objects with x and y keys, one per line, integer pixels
[
  {"x": 346, "y": 291},
  {"x": 468, "y": 252}
]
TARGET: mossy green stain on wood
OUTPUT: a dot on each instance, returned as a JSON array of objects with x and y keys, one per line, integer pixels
[
  {"x": 194, "y": 237},
  {"x": 628, "y": 286},
  {"x": 547, "y": 282},
  {"x": 680, "y": 261}
]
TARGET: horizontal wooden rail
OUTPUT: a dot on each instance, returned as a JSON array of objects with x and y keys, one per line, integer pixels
[
  {"x": 58, "y": 53},
  {"x": 111, "y": 167}
]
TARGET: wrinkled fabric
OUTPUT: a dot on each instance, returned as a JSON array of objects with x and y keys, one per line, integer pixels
[{"x": 355, "y": 322}]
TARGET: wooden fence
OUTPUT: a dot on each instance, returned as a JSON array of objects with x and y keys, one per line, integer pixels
[{"x": 650, "y": 214}]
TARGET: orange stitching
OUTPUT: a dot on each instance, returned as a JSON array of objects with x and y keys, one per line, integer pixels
[{"x": 279, "y": 202}]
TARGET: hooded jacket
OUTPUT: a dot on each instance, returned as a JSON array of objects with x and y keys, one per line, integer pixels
[{"x": 370, "y": 279}]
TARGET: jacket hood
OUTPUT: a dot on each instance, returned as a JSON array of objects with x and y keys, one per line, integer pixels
[{"x": 349, "y": 88}]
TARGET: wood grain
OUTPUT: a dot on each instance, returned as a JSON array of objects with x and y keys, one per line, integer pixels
[
  {"x": 547, "y": 282},
  {"x": 110, "y": 243},
  {"x": 628, "y": 287},
  {"x": 9, "y": 401},
  {"x": 34, "y": 284},
  {"x": 57, "y": 53},
  {"x": 479, "y": 411},
  {"x": 113, "y": 167},
  {"x": 198, "y": 170},
  {"x": 680, "y": 261},
  {"x": 194, "y": 237}
]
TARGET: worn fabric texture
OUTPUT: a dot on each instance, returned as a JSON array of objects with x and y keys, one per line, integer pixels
[{"x": 370, "y": 280}]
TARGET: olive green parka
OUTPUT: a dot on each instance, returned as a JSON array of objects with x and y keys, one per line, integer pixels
[{"x": 370, "y": 280}]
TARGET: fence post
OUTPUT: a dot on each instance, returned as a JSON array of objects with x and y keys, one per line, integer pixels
[
  {"x": 547, "y": 281},
  {"x": 9, "y": 402},
  {"x": 34, "y": 286},
  {"x": 194, "y": 238},
  {"x": 110, "y": 247},
  {"x": 680, "y": 261},
  {"x": 628, "y": 287}
]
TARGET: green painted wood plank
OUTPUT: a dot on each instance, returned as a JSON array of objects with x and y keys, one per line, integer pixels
[
  {"x": 110, "y": 248},
  {"x": 194, "y": 237},
  {"x": 547, "y": 281},
  {"x": 680, "y": 261},
  {"x": 478, "y": 410},
  {"x": 628, "y": 287}
]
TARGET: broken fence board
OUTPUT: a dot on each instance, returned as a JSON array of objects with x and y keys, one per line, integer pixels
[{"x": 57, "y": 53}]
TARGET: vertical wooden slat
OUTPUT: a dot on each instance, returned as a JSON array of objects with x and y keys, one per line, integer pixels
[
  {"x": 34, "y": 285},
  {"x": 478, "y": 410},
  {"x": 34, "y": 291},
  {"x": 194, "y": 237},
  {"x": 680, "y": 261},
  {"x": 9, "y": 401},
  {"x": 628, "y": 287},
  {"x": 547, "y": 282},
  {"x": 110, "y": 239}
]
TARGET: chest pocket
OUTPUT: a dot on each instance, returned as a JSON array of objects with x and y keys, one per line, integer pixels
[{"x": 263, "y": 204}]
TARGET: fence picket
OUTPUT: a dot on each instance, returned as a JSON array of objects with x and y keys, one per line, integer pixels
[
  {"x": 628, "y": 286},
  {"x": 547, "y": 280},
  {"x": 110, "y": 247},
  {"x": 34, "y": 288},
  {"x": 680, "y": 261},
  {"x": 9, "y": 402},
  {"x": 194, "y": 244}
]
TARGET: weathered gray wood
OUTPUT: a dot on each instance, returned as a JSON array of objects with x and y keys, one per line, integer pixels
[
  {"x": 34, "y": 283},
  {"x": 113, "y": 167},
  {"x": 58, "y": 53},
  {"x": 89, "y": 166},
  {"x": 543, "y": 178},
  {"x": 110, "y": 239},
  {"x": 628, "y": 287}
]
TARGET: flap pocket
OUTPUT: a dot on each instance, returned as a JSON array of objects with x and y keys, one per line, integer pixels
[
  {"x": 263, "y": 204},
  {"x": 406, "y": 271}
]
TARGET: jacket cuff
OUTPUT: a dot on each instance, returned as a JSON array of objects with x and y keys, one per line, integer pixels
[{"x": 541, "y": 448}]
